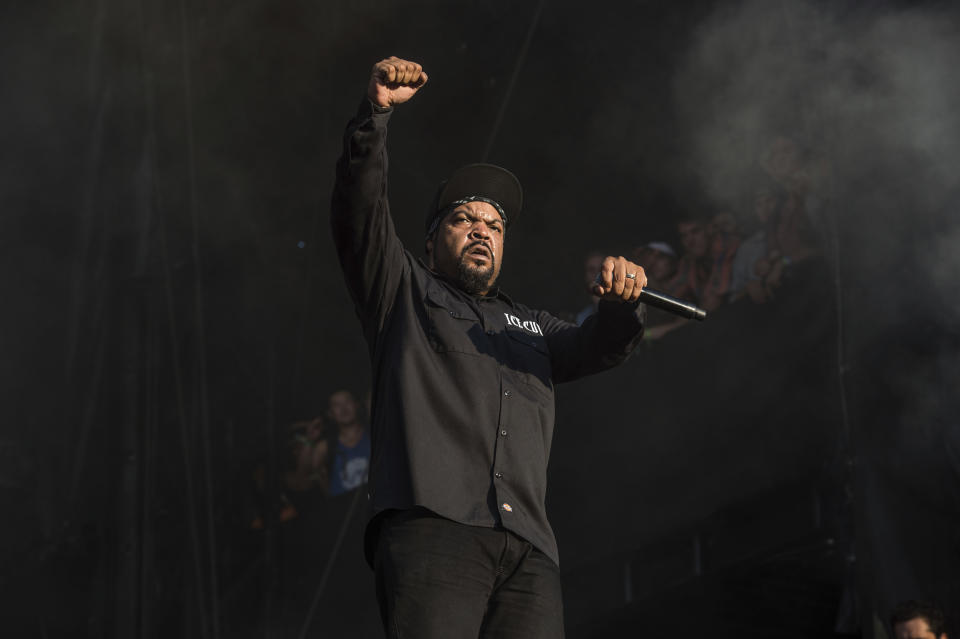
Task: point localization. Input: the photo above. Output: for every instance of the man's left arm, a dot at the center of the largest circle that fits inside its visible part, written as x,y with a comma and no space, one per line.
608,336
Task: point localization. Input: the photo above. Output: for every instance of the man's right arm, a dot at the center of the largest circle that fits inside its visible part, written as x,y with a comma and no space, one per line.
371,255
370,252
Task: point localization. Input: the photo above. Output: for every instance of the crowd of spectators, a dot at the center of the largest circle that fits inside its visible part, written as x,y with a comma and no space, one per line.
751,256
724,257
728,255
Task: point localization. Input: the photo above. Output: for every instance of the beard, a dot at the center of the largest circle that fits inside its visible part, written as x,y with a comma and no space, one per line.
474,279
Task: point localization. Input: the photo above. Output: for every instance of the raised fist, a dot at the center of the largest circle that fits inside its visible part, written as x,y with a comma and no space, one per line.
394,81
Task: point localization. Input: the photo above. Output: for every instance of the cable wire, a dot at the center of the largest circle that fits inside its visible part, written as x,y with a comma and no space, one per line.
331,560
521,57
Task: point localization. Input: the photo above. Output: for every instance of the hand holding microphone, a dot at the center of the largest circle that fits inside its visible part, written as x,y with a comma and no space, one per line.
621,280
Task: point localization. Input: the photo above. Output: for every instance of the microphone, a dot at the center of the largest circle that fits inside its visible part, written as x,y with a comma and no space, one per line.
672,304
668,303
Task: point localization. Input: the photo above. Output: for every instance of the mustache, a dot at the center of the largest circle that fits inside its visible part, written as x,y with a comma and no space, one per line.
473,245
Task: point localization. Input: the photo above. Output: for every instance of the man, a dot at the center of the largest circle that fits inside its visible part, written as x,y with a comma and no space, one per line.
917,620
707,261
463,376
309,451
663,275
744,279
351,452
661,267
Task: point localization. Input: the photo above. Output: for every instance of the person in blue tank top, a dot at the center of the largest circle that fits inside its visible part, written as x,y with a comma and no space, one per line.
351,455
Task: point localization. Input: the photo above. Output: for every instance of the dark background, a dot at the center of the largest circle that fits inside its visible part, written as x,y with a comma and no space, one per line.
171,300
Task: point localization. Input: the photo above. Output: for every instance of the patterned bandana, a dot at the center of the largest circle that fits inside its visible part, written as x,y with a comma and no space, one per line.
472,198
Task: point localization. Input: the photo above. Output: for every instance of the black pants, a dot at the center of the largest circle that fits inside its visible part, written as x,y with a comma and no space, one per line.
438,579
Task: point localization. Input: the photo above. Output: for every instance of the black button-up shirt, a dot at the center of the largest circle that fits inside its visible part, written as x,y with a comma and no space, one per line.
463,406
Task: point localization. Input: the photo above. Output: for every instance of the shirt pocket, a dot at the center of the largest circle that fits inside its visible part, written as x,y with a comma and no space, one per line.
530,359
451,325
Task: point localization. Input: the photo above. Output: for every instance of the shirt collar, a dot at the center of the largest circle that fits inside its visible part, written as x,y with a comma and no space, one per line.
494,293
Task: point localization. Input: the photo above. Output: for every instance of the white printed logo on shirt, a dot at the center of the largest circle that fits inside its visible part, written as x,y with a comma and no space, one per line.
529,325
354,473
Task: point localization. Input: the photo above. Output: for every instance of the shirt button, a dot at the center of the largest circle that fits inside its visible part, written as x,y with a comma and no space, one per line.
506,393
498,475
503,433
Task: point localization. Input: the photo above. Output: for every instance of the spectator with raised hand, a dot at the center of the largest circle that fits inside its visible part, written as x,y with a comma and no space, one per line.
745,279
724,242
309,450
792,231
693,267
707,262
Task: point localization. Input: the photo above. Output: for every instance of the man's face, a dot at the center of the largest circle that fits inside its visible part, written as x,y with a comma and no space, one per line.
662,267
917,628
343,408
468,246
693,236
723,223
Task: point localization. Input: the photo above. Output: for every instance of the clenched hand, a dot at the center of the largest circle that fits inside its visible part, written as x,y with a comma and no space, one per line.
619,280
394,81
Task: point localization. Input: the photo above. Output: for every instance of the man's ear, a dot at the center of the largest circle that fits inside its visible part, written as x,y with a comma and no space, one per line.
428,249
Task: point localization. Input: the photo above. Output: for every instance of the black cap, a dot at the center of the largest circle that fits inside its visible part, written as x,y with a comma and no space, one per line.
486,181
